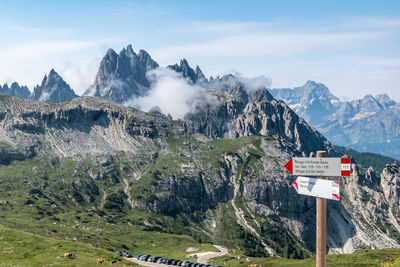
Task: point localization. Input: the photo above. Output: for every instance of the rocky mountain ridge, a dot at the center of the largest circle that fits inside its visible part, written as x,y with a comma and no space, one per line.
16,90
53,88
369,124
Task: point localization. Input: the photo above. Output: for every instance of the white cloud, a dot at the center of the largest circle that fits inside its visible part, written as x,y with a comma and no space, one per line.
170,92
77,61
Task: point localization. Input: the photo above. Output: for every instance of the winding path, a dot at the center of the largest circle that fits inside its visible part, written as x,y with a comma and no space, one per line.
201,257
205,256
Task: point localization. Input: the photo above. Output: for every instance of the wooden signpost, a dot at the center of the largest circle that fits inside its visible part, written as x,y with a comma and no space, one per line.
321,188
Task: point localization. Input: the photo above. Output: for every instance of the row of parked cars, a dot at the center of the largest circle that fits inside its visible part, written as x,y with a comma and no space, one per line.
167,261
124,254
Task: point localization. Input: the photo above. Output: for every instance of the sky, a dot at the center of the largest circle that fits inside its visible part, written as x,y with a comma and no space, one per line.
350,46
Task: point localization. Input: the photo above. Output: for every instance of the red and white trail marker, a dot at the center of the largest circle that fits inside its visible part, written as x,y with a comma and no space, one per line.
317,187
319,166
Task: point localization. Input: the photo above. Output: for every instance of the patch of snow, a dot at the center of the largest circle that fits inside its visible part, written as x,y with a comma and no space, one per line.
359,116
295,106
44,96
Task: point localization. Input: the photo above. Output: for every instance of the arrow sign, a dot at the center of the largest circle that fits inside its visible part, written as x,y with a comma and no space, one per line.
319,166
317,187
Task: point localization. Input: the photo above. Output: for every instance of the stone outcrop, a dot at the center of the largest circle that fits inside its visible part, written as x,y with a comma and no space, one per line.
390,182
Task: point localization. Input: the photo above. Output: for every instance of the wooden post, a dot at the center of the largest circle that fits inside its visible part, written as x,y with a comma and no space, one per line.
321,225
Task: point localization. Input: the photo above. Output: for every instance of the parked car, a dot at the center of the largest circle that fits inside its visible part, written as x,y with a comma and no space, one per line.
137,257
119,253
145,257
128,255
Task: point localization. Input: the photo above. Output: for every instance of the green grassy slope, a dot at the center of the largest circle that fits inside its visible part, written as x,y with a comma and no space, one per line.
370,258
19,248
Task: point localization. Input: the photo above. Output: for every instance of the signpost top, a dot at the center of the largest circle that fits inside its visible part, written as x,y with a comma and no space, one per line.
319,166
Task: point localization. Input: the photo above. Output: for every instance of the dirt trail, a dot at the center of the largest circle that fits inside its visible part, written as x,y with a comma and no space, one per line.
242,220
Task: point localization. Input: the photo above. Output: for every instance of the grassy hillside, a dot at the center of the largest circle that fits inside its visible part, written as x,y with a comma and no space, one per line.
370,258
19,248
83,204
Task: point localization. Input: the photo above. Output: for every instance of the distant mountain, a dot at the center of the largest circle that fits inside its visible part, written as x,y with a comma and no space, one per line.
53,88
122,76
187,72
16,90
370,124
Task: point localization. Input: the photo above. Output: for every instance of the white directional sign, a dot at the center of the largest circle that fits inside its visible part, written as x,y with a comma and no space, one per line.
317,187
319,166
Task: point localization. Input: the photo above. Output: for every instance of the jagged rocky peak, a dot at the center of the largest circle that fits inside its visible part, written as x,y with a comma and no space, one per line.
122,76
187,72
238,90
53,88
319,89
385,100
147,60
260,95
223,83
310,91
367,105
370,179
200,75
16,90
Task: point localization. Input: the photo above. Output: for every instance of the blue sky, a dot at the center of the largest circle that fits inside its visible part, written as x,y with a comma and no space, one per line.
351,46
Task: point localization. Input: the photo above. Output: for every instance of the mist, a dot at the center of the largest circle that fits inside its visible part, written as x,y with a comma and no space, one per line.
170,92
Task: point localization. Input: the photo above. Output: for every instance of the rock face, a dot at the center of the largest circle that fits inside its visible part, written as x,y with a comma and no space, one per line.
122,76
187,72
53,88
239,114
16,90
370,124
77,127
390,182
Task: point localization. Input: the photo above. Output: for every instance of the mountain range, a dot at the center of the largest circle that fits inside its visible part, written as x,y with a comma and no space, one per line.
368,124
96,156
53,88
216,175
